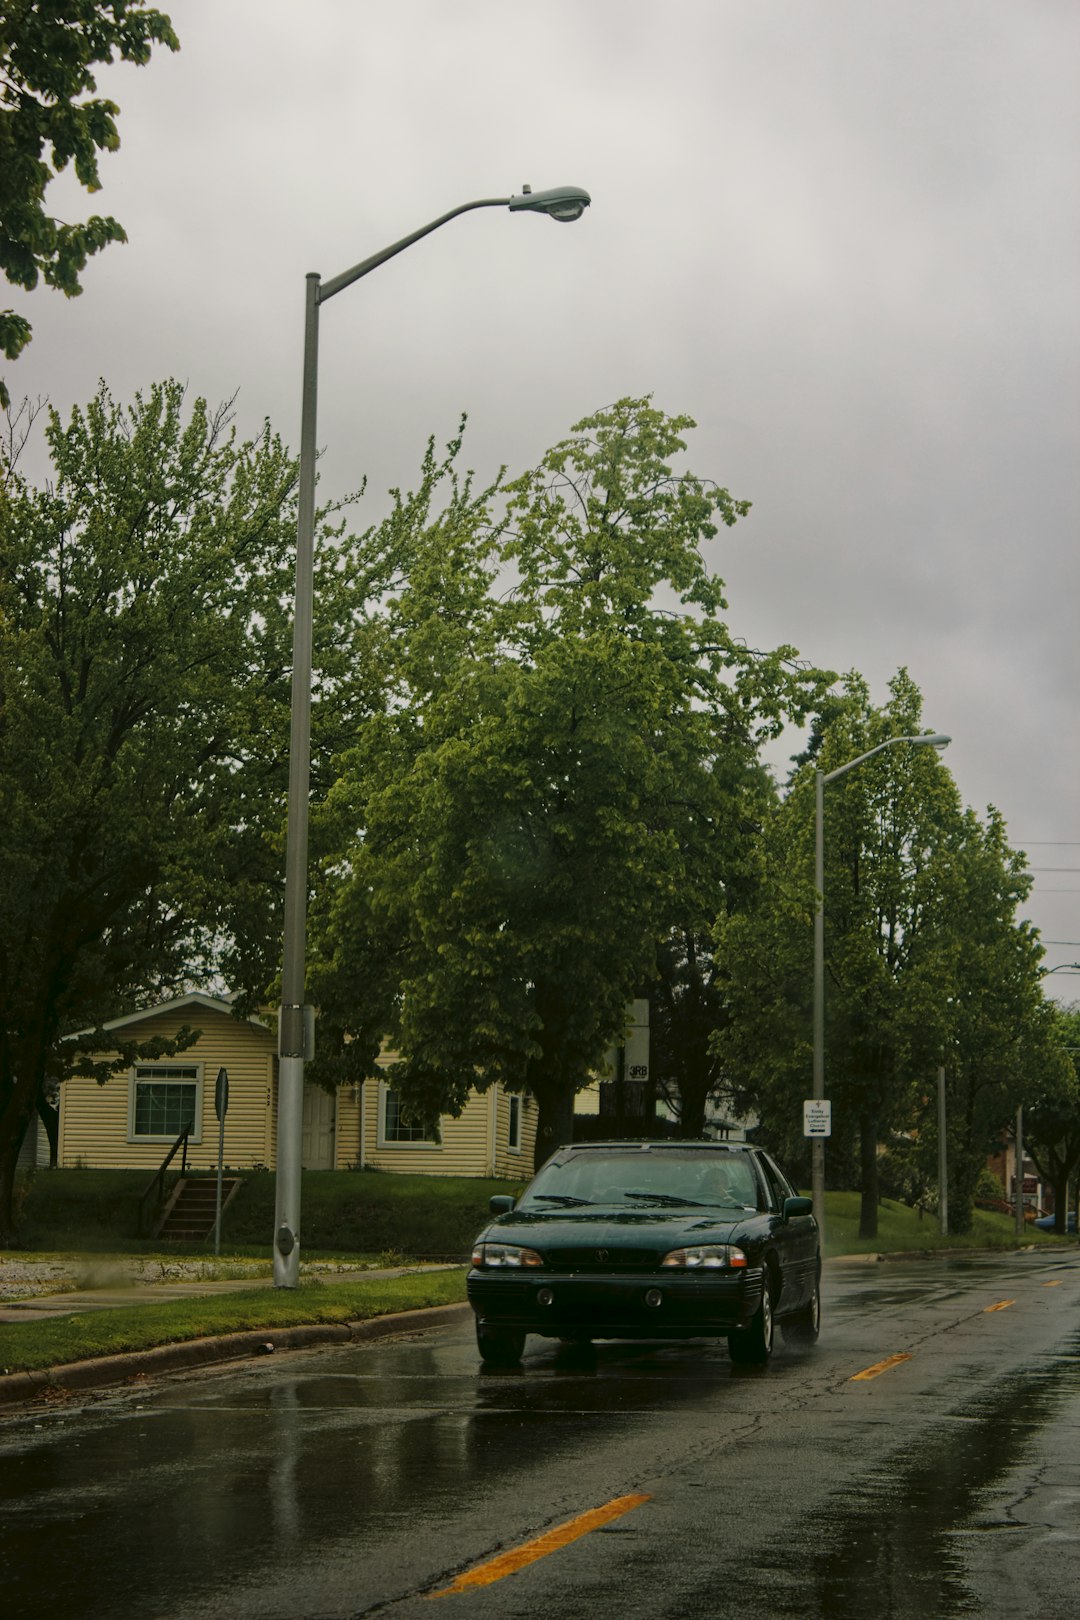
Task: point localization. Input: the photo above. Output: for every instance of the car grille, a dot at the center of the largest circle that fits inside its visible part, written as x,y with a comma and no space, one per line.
602,1260
498,1288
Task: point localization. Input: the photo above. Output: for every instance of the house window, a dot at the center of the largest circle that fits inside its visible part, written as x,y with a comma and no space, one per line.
515,1122
165,1098
396,1126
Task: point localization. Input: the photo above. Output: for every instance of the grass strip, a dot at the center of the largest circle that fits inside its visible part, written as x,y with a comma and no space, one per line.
33,1345
900,1230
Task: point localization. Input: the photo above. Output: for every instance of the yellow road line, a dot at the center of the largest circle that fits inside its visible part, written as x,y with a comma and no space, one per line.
1002,1305
509,1563
1056,1284
879,1367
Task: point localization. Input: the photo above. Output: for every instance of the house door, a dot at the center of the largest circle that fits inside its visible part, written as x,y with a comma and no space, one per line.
317,1145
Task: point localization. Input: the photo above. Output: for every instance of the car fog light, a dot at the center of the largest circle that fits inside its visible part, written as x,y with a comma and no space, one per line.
544,1296
654,1298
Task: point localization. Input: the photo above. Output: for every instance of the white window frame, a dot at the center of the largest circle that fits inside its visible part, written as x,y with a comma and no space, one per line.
392,1143
146,1072
514,1138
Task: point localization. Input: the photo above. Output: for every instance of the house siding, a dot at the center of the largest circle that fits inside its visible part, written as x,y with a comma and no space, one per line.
476,1143
463,1150
510,1165
94,1119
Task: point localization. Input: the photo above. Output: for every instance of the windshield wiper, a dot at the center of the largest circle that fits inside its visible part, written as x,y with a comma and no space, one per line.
558,1198
665,1198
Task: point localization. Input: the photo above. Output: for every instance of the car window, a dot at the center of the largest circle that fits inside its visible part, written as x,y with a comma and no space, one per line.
787,1189
777,1185
635,1178
725,1179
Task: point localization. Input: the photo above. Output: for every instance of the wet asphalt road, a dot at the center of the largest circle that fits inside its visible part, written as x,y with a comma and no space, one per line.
357,1481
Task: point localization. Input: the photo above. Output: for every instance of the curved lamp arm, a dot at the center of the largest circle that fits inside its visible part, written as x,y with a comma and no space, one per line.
937,741
563,203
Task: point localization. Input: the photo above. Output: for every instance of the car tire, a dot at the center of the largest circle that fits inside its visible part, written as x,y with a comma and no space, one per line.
804,1325
752,1346
499,1347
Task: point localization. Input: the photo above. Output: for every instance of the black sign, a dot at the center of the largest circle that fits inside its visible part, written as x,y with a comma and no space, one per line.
221,1094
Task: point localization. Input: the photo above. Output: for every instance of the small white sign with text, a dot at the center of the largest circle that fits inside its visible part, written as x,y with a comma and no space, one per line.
817,1117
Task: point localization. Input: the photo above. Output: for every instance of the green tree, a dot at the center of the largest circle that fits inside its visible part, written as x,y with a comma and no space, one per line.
883,822
145,652
927,961
975,970
49,117
532,800
1052,1116
688,1003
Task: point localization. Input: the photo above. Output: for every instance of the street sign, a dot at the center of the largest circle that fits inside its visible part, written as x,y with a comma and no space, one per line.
221,1094
817,1117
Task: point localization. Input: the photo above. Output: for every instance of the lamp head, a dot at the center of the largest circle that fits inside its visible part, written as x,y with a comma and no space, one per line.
563,203
938,741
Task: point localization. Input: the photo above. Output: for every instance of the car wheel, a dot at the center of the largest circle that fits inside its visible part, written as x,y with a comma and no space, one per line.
752,1346
499,1347
803,1326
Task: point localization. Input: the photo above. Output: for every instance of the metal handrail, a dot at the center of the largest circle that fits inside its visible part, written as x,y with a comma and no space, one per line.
159,1179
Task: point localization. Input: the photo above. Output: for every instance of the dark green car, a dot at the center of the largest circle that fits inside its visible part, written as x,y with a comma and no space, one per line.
649,1240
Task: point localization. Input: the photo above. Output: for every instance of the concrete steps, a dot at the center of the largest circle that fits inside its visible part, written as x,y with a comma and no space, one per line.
190,1213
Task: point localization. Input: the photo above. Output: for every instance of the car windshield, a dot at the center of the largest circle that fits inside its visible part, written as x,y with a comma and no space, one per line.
640,1179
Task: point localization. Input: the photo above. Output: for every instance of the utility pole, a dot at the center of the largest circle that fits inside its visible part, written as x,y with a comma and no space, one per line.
942,1155
1019,1172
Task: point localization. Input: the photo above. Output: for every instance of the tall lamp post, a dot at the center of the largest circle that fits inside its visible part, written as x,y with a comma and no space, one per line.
296,1020
821,779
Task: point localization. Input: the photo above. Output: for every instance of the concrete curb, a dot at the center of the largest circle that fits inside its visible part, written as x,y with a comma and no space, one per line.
21,1387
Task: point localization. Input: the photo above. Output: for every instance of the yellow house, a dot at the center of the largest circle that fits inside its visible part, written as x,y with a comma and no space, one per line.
135,1117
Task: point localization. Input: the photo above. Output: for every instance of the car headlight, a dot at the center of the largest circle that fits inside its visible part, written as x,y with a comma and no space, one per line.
710,1257
504,1254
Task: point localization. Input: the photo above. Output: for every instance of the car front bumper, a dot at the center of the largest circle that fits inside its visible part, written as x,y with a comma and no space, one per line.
561,1305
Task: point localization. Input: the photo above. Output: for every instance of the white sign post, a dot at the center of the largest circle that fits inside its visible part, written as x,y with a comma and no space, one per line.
817,1117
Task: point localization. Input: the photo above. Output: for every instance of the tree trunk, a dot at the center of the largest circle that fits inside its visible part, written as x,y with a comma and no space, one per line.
50,1119
868,1208
692,1112
555,1121
13,1127
1061,1204
21,1094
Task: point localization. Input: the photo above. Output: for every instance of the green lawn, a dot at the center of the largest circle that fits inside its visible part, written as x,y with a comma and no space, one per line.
32,1345
900,1230
343,1213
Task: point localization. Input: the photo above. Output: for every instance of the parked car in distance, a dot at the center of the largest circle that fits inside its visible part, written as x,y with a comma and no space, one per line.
1045,1223
649,1240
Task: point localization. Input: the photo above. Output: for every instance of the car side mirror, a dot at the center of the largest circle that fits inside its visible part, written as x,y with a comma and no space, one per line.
794,1207
500,1204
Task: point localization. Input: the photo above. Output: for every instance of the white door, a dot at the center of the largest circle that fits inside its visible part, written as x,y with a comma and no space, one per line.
317,1146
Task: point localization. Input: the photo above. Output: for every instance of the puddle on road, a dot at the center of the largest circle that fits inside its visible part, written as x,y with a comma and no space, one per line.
888,1548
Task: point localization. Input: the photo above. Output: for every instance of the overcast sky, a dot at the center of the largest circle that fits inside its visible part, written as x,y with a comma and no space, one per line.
843,235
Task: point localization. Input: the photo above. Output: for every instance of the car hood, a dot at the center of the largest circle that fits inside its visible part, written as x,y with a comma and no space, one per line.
610,1228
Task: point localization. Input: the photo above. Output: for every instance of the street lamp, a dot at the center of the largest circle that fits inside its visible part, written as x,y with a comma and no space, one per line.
296,1020
821,778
